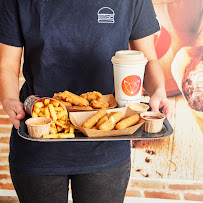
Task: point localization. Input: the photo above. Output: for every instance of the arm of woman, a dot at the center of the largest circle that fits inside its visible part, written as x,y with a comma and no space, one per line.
10,60
154,82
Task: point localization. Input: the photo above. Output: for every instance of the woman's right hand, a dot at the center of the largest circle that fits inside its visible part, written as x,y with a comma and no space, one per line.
15,110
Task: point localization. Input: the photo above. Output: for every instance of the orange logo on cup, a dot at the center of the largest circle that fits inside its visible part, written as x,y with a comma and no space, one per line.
131,85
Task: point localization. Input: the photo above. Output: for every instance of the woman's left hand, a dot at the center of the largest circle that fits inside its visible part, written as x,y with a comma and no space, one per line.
159,101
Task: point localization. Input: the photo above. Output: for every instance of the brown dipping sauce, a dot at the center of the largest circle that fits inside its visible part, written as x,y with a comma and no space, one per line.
38,123
151,117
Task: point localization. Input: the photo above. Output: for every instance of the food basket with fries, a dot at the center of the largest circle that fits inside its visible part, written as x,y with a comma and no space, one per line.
54,110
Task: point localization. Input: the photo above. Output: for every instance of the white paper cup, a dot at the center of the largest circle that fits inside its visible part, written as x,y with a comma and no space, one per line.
129,68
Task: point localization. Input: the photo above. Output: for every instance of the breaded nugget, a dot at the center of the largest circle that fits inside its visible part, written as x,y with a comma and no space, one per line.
94,119
99,104
103,119
90,96
107,125
116,117
127,122
82,107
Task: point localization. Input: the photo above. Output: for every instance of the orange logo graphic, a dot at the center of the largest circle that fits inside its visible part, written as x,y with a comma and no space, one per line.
131,85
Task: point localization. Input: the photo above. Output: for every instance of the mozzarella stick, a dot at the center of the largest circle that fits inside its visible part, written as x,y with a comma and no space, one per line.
116,117
91,122
107,125
103,119
111,122
127,122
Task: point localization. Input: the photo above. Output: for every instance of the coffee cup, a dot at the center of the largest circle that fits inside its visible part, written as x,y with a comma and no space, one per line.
129,68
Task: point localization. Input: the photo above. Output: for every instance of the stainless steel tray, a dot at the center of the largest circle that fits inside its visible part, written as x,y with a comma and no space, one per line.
140,134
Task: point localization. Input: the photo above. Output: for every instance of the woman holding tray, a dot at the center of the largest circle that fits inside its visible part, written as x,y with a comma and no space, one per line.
69,45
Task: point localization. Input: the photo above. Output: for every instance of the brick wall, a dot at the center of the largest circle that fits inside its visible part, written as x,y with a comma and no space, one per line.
149,188
166,189
5,130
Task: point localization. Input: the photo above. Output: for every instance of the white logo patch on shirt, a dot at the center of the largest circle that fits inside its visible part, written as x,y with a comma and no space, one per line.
106,15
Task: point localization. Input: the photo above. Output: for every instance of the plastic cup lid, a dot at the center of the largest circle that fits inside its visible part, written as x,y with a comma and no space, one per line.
129,57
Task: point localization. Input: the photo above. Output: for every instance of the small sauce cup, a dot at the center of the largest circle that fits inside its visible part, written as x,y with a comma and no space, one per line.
153,121
38,126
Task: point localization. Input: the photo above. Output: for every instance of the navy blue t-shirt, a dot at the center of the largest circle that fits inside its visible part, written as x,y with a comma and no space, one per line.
68,45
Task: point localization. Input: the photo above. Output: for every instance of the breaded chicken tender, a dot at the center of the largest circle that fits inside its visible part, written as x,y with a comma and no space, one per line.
66,104
90,96
72,98
82,107
99,104
127,122
91,122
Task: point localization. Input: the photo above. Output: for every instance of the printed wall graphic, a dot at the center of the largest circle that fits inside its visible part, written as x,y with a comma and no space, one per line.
187,69
106,15
181,25
179,47
162,42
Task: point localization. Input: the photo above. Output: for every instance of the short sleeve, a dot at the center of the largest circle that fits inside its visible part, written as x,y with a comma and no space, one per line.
10,29
145,20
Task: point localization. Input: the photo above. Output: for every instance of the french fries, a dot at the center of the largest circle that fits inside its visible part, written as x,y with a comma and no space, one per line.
67,134
60,126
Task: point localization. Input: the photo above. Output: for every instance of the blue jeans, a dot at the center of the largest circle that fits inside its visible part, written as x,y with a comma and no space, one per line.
108,186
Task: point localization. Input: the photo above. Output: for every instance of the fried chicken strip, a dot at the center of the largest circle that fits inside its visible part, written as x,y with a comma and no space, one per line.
72,98
90,96
99,104
82,107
